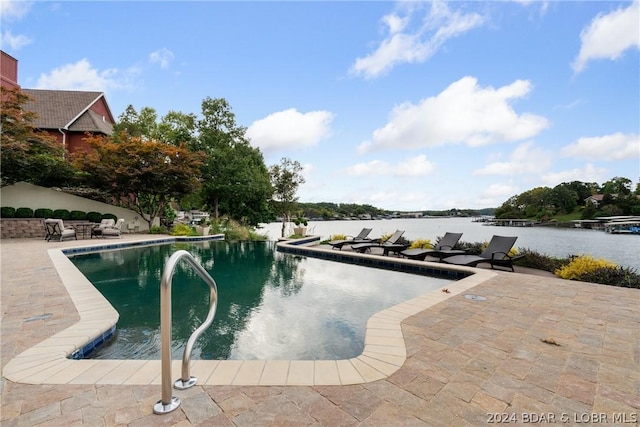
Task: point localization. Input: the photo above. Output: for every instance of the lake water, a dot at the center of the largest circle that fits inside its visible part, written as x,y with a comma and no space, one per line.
621,249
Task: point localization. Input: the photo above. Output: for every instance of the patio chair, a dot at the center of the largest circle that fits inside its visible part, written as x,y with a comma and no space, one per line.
360,238
443,249
496,253
389,245
97,230
115,230
55,228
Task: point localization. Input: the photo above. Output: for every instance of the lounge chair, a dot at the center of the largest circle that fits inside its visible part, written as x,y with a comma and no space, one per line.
360,238
115,230
389,245
443,249
496,253
97,230
55,228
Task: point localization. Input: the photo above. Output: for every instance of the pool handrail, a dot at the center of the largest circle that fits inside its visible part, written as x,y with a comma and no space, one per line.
169,403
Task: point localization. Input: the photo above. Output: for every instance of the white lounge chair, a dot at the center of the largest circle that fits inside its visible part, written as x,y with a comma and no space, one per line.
113,231
97,231
55,228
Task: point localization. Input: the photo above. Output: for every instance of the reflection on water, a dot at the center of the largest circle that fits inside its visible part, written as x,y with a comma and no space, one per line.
553,241
271,305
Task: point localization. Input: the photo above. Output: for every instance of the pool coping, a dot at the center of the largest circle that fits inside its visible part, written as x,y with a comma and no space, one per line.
384,352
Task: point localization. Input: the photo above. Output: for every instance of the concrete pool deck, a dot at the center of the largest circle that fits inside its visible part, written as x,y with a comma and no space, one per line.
537,345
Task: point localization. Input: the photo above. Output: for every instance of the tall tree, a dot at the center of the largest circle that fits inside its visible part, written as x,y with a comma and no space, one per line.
286,178
143,175
26,154
235,179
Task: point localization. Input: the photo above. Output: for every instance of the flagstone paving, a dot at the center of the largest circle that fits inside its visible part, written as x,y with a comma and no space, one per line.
538,349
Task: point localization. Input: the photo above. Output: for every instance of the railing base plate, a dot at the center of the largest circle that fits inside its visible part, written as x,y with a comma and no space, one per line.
160,408
183,385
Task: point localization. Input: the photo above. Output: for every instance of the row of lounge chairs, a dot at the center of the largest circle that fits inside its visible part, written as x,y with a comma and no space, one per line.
496,253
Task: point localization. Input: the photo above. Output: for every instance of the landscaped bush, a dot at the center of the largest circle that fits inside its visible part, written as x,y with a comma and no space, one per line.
338,237
24,213
158,229
472,248
78,215
614,276
42,213
94,216
534,259
421,244
183,230
60,214
582,265
7,212
110,216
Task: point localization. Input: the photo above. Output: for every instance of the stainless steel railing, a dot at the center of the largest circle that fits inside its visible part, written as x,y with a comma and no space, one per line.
168,402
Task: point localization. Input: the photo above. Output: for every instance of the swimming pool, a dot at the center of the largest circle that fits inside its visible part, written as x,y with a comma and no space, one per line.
271,305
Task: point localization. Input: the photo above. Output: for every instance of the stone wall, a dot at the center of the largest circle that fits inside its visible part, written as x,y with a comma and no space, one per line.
28,228
14,228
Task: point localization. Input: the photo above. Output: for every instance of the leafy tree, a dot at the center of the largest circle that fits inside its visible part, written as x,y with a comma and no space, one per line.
28,155
141,125
236,179
144,175
285,178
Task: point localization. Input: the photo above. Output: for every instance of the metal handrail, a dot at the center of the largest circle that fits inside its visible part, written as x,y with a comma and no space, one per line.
168,402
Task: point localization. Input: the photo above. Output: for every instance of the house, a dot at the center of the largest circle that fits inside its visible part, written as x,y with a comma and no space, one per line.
595,200
66,115
70,115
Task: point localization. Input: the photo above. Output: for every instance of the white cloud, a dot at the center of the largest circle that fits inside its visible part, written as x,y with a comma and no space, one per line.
588,173
413,166
608,36
617,146
14,10
162,56
417,45
499,191
14,42
79,76
462,113
290,129
524,159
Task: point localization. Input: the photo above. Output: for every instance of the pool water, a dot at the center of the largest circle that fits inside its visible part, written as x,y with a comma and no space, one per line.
271,305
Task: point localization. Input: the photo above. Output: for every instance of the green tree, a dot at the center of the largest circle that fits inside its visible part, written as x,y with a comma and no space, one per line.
285,178
26,154
236,179
144,175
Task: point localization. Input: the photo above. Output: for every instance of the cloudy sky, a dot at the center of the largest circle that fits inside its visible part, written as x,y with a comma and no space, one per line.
405,106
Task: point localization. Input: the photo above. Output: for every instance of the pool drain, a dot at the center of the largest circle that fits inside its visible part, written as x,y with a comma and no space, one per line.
475,297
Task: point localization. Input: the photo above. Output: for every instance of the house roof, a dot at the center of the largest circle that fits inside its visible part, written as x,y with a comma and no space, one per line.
63,109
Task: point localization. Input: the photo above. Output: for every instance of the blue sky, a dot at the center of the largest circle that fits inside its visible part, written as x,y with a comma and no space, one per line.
404,106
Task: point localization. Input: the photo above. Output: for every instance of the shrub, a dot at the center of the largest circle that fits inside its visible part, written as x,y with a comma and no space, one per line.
581,265
614,276
183,230
42,213
110,216
77,215
7,212
158,229
24,213
94,216
60,214
338,237
421,244
533,259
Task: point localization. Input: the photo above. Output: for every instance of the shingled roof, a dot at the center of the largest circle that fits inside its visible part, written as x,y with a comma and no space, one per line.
70,110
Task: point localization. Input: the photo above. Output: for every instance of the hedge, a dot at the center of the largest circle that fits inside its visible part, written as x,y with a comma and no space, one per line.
7,212
24,213
42,213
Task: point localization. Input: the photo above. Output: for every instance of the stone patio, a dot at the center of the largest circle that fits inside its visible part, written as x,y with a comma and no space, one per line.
537,349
